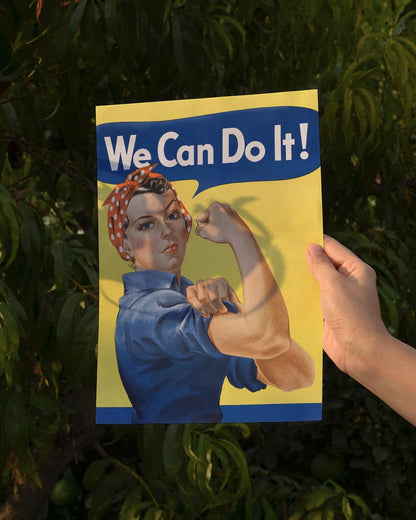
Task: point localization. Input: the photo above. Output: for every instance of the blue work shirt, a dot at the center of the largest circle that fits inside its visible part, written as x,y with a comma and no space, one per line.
170,369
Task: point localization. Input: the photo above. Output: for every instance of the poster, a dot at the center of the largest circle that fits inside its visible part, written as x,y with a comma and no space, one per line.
208,312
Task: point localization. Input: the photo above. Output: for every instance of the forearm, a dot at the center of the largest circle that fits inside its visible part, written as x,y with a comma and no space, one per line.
387,367
261,327
263,309
289,371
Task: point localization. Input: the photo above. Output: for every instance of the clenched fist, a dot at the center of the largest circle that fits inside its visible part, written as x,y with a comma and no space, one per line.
220,223
208,296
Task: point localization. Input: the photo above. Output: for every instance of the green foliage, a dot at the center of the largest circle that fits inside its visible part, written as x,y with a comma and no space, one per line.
188,470
329,502
54,69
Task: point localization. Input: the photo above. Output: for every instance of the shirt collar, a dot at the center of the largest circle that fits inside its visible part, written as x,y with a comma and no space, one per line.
142,280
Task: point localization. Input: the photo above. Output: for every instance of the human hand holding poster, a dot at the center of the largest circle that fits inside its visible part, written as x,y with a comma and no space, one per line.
222,323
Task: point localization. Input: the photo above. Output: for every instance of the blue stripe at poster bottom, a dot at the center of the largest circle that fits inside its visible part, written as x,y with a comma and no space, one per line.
272,412
233,413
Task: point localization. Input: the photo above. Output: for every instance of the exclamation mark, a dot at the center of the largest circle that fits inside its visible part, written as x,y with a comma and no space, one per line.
304,139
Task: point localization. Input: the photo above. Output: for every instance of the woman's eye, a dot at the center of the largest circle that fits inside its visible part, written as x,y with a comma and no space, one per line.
144,226
174,215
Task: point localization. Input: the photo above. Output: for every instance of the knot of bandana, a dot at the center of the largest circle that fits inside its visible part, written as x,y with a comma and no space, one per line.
119,199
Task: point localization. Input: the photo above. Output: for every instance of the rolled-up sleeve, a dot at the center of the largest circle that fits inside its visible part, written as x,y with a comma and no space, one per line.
160,324
163,322
242,373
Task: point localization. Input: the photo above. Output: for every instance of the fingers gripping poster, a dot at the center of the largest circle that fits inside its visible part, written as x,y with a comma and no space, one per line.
208,312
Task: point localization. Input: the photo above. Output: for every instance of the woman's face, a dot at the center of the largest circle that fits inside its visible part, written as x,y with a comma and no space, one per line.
156,234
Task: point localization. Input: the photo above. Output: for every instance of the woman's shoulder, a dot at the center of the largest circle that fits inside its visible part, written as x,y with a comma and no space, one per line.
147,289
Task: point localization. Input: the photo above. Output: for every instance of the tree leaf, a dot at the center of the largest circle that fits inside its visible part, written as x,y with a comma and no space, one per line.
172,456
222,33
8,210
316,498
224,472
18,424
239,459
150,442
204,465
178,44
62,264
346,114
10,328
133,505
329,513
187,440
314,515
346,508
30,236
67,321
359,502
269,513
76,17
95,473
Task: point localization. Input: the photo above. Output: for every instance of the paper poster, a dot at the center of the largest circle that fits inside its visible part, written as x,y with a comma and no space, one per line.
208,312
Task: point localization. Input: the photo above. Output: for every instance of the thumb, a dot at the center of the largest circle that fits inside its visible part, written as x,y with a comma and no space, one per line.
203,218
233,298
319,263
202,221
201,232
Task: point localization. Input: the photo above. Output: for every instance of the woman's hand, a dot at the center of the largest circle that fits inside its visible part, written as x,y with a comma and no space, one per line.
355,337
208,296
220,223
349,303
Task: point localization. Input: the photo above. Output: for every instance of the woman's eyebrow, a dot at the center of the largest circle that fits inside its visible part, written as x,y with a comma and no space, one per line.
171,202
150,216
142,216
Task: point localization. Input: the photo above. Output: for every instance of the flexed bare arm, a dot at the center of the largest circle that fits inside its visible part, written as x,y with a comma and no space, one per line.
262,326
260,330
262,319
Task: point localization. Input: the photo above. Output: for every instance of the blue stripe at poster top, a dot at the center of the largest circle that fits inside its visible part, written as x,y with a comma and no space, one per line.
260,144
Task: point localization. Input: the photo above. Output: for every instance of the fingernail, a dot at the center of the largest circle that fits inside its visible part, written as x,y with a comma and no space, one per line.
314,249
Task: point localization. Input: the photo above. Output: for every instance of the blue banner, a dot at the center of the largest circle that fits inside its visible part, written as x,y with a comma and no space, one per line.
273,143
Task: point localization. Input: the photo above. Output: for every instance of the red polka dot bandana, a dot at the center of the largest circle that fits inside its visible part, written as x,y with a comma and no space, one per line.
119,199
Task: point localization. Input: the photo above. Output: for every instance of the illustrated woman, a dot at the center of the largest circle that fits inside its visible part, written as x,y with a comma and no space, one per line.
177,341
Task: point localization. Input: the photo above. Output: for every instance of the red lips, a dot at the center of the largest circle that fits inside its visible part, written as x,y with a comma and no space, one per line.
171,248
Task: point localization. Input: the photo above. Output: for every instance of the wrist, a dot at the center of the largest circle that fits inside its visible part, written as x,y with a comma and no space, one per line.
368,355
240,234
